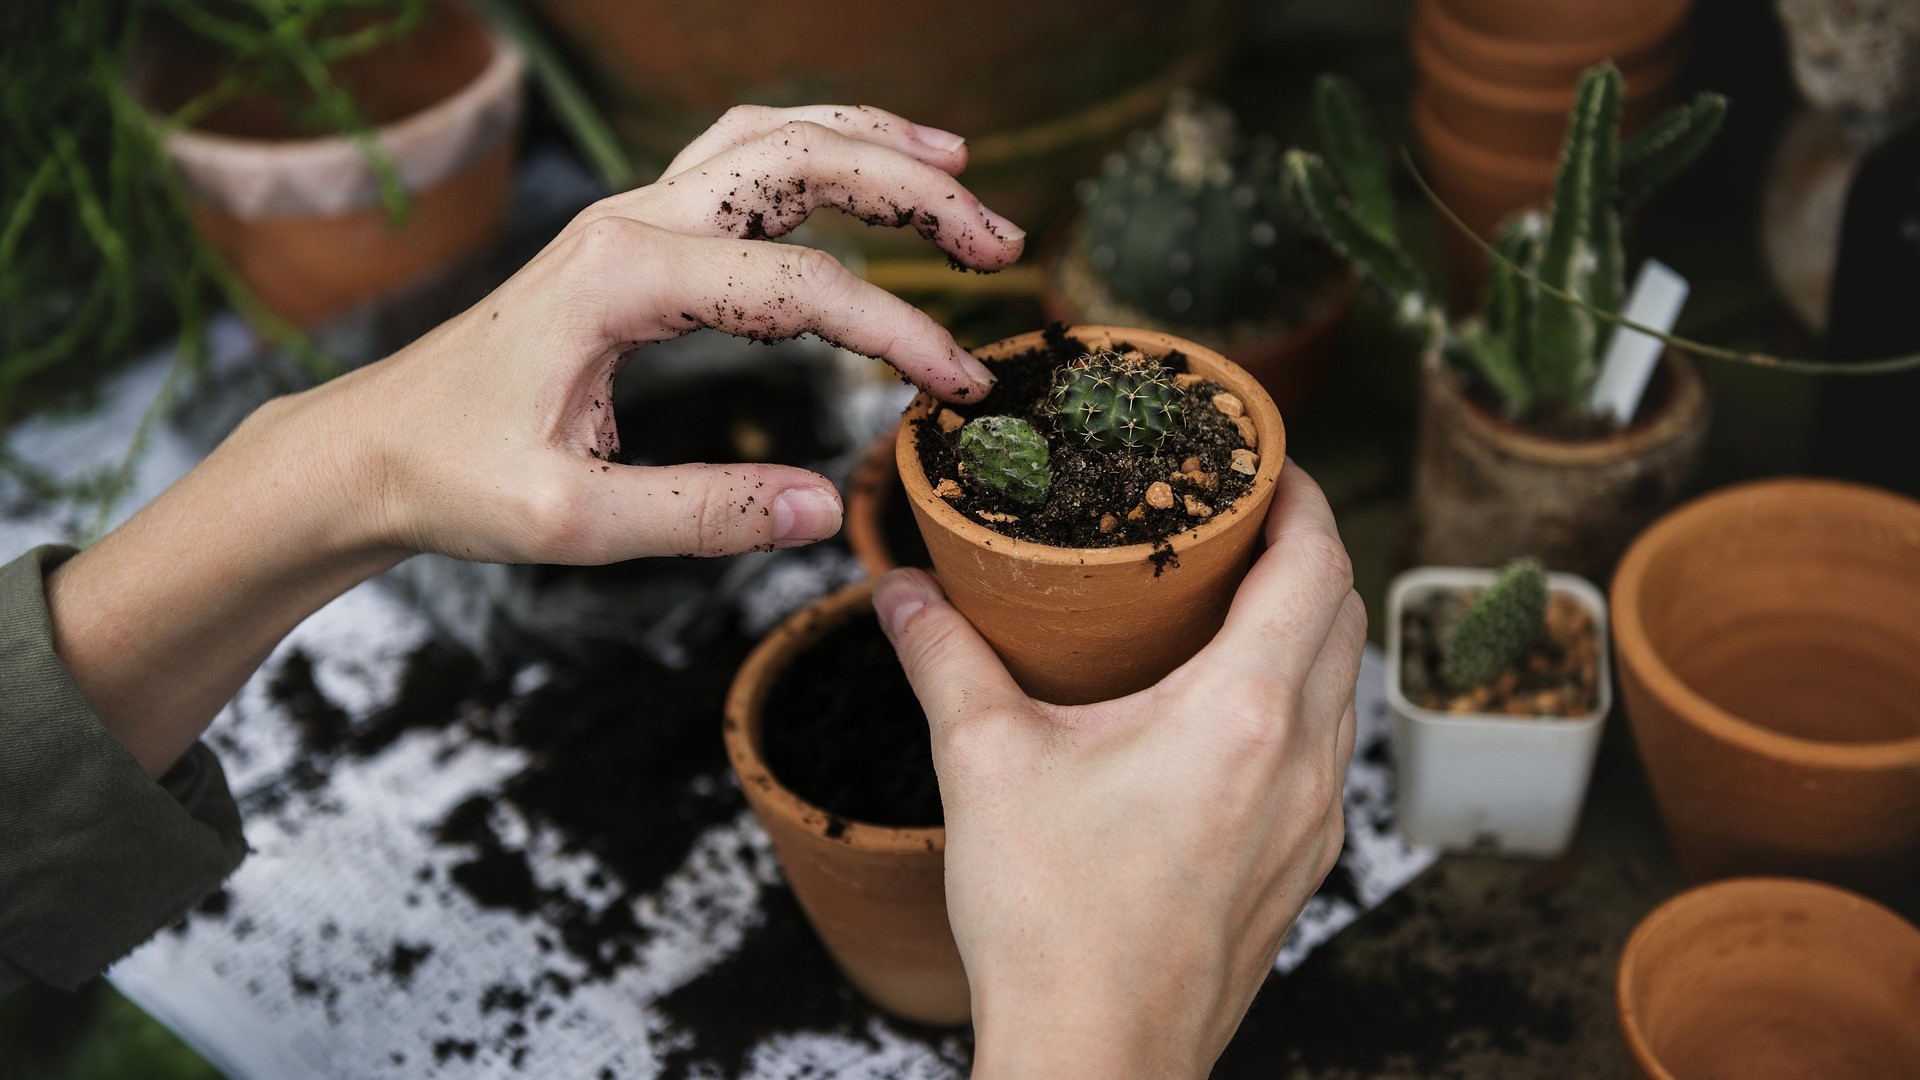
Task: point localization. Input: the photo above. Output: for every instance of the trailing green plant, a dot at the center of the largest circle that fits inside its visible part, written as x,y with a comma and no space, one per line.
1537,344
1498,629
1190,224
1006,456
1116,401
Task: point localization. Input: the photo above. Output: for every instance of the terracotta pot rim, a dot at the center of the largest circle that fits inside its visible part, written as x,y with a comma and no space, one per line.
1807,891
1637,652
1267,424
1622,48
1432,62
748,693
1685,402
1443,140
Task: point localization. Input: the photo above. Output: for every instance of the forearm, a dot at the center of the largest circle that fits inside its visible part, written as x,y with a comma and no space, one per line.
164,619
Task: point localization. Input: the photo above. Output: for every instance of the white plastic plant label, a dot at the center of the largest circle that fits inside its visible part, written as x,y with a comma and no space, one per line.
1657,297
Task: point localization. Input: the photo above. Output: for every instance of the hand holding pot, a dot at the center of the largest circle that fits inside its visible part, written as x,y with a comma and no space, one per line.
1120,876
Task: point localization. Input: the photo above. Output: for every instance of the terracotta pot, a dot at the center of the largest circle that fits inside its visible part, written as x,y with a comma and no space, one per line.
1037,114
876,511
877,896
1486,491
1567,21
1087,624
1480,186
1529,121
1771,979
1290,364
1545,65
300,218
1768,637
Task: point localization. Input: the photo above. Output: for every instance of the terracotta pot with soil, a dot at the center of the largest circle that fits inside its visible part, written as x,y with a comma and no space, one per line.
299,215
1126,564
1498,684
1768,637
1486,490
1769,979
832,750
880,528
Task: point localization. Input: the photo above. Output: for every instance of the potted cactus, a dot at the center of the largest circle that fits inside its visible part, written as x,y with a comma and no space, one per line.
1093,515
1512,458
1188,230
1498,685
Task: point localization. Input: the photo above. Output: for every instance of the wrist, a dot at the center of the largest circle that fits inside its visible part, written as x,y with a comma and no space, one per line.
1081,1032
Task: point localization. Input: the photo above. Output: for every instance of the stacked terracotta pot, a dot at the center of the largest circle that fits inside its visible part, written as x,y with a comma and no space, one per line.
1496,81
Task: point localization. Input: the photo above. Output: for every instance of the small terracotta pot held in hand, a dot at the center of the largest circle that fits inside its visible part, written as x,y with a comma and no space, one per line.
1771,979
1077,625
1768,638
876,895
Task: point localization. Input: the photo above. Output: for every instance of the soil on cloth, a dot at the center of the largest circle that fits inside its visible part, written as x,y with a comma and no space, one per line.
1557,677
843,731
1099,498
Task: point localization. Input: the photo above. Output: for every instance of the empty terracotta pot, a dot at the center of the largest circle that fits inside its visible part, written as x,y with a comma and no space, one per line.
878,526
1087,624
300,218
1486,491
1771,979
1481,187
1549,65
1768,638
1566,21
877,896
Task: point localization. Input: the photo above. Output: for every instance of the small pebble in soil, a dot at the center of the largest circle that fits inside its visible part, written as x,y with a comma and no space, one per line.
1160,495
1246,462
949,421
1108,523
1196,508
948,488
1229,405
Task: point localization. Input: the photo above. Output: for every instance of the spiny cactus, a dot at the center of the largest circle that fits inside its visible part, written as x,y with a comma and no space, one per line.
1189,223
1498,629
1116,401
1008,457
1536,352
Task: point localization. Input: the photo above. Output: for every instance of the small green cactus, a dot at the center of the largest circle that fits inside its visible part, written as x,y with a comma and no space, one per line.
1008,457
1498,629
1189,224
1116,401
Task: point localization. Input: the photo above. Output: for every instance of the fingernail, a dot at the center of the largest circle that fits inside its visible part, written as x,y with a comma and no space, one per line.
897,596
805,514
1001,227
938,139
975,370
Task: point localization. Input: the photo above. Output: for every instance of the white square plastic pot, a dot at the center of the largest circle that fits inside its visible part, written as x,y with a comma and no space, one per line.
1479,782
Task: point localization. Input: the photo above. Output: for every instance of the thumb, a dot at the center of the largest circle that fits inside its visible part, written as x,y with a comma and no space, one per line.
630,511
954,672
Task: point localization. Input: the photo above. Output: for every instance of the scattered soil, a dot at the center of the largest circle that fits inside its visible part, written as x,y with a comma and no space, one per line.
844,732
1558,677
1089,485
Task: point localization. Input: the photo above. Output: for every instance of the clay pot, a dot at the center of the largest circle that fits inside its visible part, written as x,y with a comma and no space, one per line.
877,896
299,218
1771,979
1291,364
874,498
1768,637
1546,65
1480,186
1486,491
1077,625
1564,22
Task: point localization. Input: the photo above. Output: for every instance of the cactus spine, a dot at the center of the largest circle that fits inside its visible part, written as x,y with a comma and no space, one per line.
1536,352
1116,401
1008,457
1499,628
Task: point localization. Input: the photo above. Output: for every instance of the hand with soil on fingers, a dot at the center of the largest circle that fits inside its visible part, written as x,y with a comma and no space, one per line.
492,438
1120,876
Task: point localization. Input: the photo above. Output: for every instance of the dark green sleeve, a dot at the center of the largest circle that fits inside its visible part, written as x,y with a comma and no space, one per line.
94,855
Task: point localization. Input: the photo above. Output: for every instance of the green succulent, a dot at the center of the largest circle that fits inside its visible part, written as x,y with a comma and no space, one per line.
1499,628
1116,401
1007,457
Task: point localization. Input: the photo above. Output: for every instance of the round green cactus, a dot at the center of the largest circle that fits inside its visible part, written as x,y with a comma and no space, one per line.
1499,628
1116,401
1189,224
1008,457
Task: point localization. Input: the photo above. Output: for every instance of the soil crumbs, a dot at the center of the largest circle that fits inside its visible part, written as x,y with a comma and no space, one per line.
1557,677
1092,485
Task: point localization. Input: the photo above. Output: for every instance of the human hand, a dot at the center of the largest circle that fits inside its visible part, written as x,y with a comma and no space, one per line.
1120,876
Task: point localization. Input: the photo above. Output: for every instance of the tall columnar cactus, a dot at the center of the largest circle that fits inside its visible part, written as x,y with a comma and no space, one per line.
1498,629
1006,456
1190,223
1537,352
1116,401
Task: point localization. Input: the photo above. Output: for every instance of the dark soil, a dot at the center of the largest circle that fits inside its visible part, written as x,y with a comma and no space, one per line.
1091,484
1557,677
844,732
